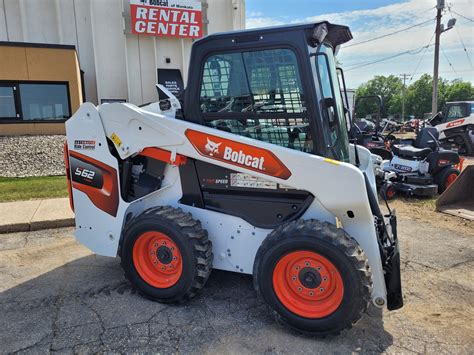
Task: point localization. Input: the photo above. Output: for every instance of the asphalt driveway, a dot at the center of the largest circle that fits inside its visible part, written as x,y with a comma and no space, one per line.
56,296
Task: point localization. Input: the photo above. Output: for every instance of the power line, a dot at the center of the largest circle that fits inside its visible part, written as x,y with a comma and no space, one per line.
467,18
462,42
416,51
447,59
388,34
421,58
449,71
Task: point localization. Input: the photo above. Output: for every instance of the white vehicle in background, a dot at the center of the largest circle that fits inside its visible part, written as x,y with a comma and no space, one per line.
455,125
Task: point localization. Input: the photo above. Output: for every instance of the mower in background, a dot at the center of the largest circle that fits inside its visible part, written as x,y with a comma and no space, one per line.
421,168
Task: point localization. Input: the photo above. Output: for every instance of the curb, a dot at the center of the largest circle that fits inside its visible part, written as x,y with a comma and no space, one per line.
38,225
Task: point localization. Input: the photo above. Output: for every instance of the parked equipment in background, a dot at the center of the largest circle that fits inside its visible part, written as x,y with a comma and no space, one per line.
370,133
422,167
257,176
455,125
458,199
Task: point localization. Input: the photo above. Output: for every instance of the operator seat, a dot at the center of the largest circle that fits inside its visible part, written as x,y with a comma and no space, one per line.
420,148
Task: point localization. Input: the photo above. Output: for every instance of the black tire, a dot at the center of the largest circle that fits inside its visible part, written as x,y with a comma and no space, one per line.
442,178
192,242
388,191
468,145
333,244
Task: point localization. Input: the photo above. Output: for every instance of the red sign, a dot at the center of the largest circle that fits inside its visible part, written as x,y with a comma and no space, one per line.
166,18
239,154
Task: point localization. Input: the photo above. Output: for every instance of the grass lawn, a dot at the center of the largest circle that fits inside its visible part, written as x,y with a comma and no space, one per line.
15,189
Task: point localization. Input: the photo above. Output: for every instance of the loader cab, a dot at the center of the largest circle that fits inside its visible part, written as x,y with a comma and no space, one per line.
277,85
453,111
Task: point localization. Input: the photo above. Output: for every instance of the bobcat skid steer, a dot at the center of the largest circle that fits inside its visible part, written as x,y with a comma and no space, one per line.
455,125
252,173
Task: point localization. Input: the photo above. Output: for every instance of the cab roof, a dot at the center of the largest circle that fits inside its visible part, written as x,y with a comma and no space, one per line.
337,34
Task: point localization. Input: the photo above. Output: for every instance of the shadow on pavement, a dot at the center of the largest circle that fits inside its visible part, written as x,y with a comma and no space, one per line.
87,305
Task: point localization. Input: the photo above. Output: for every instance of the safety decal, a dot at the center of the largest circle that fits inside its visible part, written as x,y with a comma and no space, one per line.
116,140
238,154
250,181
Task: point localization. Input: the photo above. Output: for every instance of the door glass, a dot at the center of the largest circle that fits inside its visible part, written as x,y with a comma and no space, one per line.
291,133
257,94
224,87
274,81
332,104
7,102
44,101
454,113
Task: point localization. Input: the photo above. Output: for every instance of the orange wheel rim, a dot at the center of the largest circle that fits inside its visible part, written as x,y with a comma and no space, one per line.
308,284
157,259
450,179
390,193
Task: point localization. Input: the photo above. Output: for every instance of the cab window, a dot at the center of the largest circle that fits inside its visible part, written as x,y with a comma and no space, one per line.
257,94
457,111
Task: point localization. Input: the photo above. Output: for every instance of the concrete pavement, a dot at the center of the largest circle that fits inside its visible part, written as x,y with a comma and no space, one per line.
20,216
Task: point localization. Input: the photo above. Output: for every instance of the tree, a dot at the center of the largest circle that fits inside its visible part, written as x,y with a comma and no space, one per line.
459,91
385,86
418,95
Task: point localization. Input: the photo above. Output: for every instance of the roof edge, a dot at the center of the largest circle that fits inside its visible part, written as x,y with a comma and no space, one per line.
37,45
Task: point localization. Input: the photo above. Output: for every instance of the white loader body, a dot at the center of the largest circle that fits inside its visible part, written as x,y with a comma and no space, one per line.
339,189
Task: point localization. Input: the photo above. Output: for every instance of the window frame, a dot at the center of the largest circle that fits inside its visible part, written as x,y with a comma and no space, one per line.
17,94
16,100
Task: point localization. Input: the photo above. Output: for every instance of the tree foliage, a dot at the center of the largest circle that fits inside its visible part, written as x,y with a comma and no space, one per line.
417,95
385,86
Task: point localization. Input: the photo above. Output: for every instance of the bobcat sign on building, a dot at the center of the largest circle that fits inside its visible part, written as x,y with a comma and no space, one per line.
167,18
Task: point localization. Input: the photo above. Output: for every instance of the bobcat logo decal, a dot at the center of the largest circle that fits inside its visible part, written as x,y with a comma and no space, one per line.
237,153
212,147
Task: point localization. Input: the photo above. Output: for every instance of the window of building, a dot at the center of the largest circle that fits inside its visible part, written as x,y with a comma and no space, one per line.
242,92
31,101
44,101
7,102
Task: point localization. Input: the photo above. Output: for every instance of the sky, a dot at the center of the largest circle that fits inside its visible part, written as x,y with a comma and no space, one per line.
373,18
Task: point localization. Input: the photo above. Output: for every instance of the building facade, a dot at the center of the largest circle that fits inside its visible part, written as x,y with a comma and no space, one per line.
56,54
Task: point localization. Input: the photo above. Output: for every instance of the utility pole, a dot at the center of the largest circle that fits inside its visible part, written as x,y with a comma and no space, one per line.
434,103
404,76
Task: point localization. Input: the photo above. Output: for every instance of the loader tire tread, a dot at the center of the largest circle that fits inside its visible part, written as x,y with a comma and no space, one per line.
338,238
469,146
195,234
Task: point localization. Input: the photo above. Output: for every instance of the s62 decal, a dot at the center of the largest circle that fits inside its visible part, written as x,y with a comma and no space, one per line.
85,173
97,180
238,154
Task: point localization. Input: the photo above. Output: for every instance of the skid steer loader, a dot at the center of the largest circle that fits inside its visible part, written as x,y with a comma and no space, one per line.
252,173
455,125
